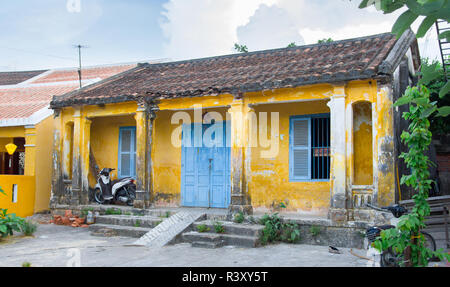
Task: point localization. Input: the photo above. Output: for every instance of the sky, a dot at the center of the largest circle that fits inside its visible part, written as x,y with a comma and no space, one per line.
42,34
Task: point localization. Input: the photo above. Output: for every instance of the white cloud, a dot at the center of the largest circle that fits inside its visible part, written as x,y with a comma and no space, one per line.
201,28
270,27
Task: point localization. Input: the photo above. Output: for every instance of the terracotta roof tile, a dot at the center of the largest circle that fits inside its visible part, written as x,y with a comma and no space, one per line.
14,78
22,101
289,67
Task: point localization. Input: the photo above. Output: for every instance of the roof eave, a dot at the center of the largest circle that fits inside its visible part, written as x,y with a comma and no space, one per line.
395,56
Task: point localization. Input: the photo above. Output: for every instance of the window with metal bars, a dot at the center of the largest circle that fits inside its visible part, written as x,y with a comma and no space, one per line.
309,147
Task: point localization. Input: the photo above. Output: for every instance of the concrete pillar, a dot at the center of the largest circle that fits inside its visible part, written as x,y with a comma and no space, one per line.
338,193
85,153
57,178
145,115
384,163
30,150
240,200
76,158
151,131
141,146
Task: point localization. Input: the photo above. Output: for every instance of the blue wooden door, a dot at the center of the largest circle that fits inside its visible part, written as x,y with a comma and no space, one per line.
205,168
127,152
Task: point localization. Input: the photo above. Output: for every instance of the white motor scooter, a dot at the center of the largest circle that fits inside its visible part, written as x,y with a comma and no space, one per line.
119,190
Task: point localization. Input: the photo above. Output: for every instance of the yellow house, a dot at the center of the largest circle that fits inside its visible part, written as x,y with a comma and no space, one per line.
27,122
310,127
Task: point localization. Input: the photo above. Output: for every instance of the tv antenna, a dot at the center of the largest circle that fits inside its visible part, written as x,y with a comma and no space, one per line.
79,47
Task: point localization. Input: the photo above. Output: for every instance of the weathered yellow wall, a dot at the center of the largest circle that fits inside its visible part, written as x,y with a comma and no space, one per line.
12,132
4,142
362,143
105,141
25,194
166,158
43,163
269,180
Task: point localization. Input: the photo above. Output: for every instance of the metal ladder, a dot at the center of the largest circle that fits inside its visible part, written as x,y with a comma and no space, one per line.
444,46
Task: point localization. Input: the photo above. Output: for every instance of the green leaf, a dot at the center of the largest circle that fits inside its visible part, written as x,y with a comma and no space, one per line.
428,112
425,26
364,4
445,90
404,22
429,73
425,8
443,111
403,101
3,229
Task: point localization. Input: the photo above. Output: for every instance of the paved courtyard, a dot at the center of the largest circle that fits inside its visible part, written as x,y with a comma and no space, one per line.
59,246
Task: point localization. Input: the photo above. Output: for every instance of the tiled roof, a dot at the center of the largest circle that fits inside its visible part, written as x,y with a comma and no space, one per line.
87,73
338,61
13,78
23,102
19,100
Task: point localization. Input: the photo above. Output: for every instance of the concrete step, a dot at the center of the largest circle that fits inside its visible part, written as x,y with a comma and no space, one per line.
195,236
129,220
225,239
210,245
108,230
252,230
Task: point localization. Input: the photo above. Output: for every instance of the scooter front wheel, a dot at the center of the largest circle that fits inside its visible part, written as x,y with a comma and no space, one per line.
98,196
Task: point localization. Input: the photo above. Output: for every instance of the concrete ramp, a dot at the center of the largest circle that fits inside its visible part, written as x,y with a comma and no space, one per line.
167,230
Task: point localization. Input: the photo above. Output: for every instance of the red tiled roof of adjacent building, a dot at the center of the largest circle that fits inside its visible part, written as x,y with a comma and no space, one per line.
87,73
23,102
361,58
20,100
14,78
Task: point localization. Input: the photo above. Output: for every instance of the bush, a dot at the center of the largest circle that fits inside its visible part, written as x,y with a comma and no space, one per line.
202,228
113,211
290,233
314,230
28,228
272,228
218,227
239,217
275,230
9,223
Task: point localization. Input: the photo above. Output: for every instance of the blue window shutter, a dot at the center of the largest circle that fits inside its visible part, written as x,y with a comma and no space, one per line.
127,152
300,148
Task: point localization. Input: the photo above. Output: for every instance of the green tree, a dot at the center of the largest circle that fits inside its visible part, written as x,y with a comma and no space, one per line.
240,48
325,40
291,45
432,11
407,236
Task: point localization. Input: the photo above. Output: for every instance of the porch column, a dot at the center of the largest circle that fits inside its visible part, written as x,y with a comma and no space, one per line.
338,194
85,153
30,150
151,117
384,165
76,158
145,115
141,146
57,179
240,200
